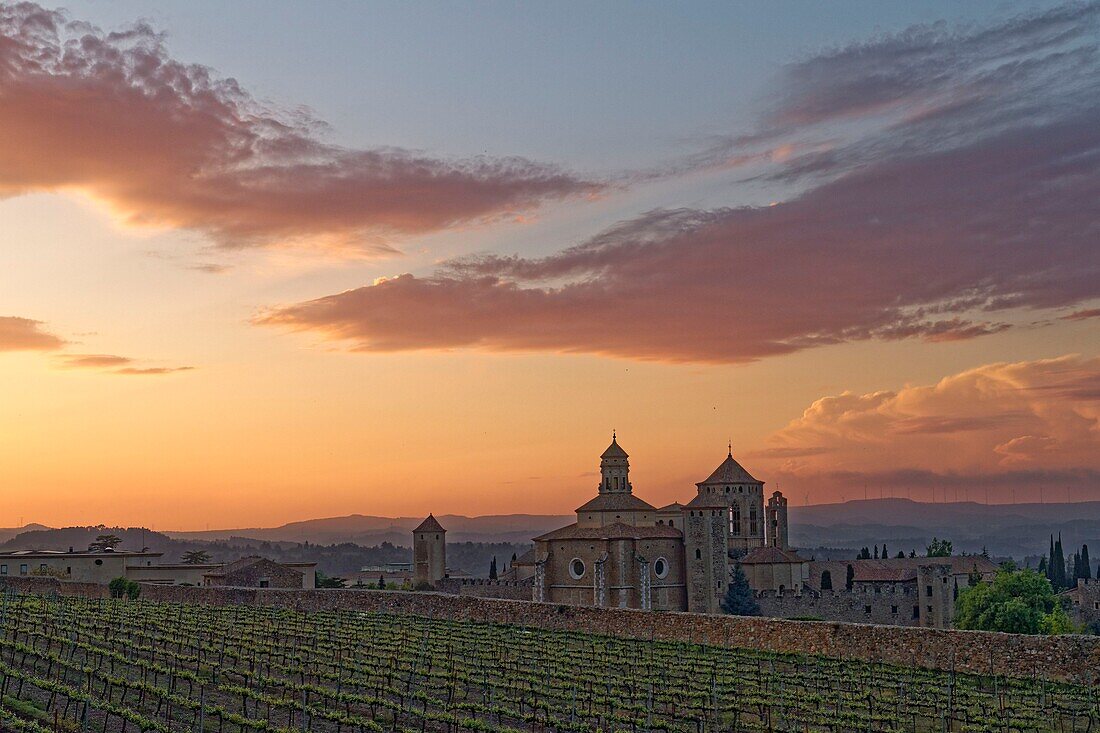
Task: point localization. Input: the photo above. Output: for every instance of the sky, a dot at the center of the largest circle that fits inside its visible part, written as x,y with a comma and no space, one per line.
273,261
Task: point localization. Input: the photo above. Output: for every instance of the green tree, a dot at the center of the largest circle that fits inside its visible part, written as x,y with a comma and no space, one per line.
493,568
381,582
849,578
1018,602
901,554
325,581
1058,565
864,554
826,580
105,542
196,557
1086,566
885,552
939,548
739,600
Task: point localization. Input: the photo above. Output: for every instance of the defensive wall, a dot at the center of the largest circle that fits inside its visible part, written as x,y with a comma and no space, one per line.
1071,658
516,590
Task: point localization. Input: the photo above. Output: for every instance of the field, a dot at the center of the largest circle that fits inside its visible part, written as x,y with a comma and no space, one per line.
73,664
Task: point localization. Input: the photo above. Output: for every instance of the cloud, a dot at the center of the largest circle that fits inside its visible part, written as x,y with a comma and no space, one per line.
151,371
112,364
93,361
1032,422
1082,315
169,144
24,334
924,225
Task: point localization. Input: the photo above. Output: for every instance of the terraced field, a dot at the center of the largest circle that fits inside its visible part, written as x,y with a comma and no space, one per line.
71,664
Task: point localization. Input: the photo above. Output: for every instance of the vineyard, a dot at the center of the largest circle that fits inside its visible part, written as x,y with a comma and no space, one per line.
70,664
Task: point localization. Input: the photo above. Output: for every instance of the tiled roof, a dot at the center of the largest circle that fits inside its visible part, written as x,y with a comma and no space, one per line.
430,525
705,501
621,502
673,507
527,558
614,531
614,450
766,555
902,569
730,472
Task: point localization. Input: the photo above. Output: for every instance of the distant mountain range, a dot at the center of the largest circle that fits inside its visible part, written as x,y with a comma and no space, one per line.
1016,530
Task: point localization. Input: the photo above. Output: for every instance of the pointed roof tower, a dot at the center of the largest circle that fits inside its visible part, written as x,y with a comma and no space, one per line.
730,472
614,450
431,524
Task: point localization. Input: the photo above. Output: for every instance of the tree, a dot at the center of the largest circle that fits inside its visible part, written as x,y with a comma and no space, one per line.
325,581
1017,601
1058,566
901,554
122,588
939,548
912,553
885,552
850,578
196,557
876,552
493,568
826,580
381,582
105,542
1042,569
864,554
1086,566
739,600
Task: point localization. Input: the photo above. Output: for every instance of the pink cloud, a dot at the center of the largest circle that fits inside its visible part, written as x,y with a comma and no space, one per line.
24,334
1026,422
169,144
926,227
112,364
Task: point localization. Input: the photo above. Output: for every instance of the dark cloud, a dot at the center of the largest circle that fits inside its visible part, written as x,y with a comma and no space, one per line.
926,237
24,334
171,144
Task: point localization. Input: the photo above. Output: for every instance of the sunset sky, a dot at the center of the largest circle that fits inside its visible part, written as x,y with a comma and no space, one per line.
262,262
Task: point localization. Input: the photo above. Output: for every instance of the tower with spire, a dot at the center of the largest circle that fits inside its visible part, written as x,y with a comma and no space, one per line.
429,552
615,469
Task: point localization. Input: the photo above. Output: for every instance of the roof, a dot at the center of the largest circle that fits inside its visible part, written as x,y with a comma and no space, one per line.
620,502
245,562
614,450
730,472
706,501
613,531
527,558
771,555
673,507
431,524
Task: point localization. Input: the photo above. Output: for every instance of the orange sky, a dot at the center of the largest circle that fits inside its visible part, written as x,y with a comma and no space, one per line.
211,316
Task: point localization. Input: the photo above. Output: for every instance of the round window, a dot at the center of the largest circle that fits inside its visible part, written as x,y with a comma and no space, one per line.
660,567
576,568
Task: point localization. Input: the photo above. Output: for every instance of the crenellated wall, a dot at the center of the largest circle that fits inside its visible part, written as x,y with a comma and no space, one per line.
1070,657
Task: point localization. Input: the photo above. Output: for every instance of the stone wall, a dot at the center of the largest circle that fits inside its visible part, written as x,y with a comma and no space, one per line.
1070,658
894,605
483,588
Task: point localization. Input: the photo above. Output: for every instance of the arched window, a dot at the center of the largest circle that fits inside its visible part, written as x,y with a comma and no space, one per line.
826,580
698,554
753,523
735,520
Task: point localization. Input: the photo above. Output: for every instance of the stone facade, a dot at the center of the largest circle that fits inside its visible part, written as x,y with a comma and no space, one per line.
1069,658
82,567
1085,602
256,572
429,552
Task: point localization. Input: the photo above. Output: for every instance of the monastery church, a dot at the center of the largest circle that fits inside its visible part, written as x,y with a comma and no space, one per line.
624,552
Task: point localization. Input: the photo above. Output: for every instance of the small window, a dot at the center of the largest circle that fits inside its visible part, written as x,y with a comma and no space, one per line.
916,611
929,609
894,610
23,569
98,561
265,583
576,568
3,569
42,567
670,523
867,610
698,554
660,567
928,591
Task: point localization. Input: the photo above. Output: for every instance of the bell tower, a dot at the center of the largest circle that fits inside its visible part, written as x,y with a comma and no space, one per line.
614,469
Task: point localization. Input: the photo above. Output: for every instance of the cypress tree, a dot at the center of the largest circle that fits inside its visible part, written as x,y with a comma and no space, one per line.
885,553
850,578
1058,565
739,600
1086,567
1050,565
1043,570
876,552
493,568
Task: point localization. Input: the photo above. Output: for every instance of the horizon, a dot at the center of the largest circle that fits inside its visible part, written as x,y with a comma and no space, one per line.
440,515
268,263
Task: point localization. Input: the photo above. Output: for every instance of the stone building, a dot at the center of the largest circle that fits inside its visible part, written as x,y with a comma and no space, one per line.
429,552
624,552
101,566
257,572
